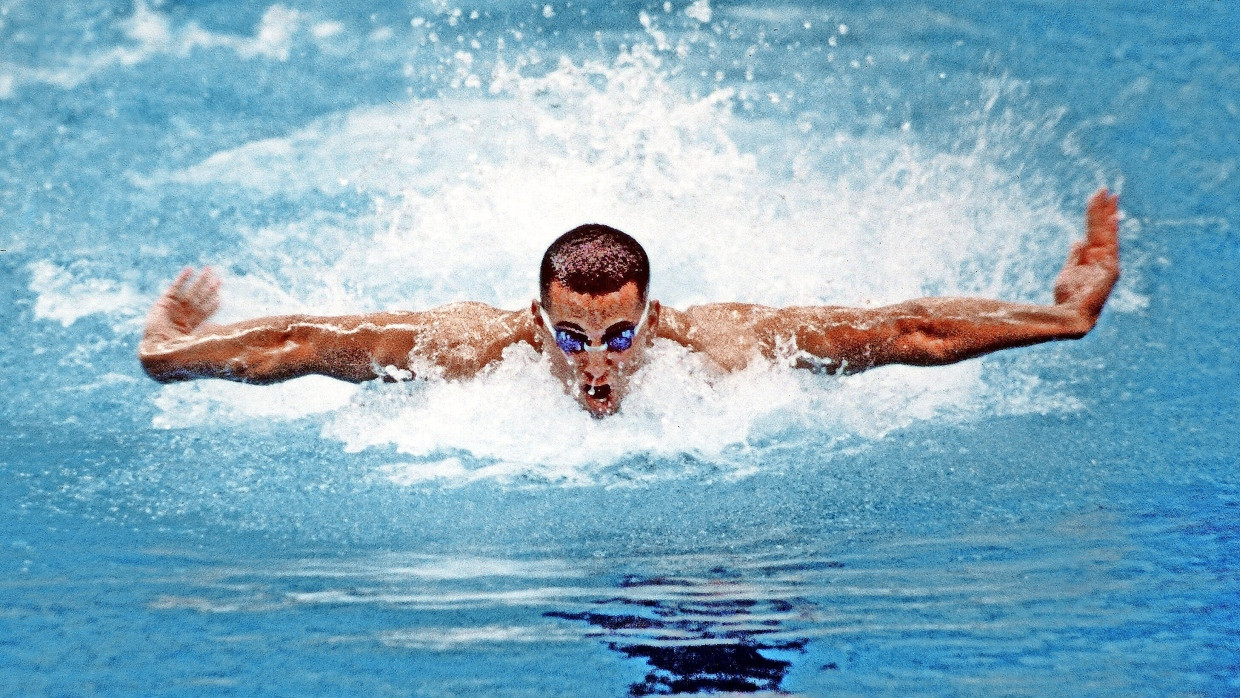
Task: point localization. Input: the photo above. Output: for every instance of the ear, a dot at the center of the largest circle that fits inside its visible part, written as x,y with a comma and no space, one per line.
652,321
538,322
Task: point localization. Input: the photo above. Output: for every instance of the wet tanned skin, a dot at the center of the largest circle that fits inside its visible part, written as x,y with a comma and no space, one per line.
459,340
597,380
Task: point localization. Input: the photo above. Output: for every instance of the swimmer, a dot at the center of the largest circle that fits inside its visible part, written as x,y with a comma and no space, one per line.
594,322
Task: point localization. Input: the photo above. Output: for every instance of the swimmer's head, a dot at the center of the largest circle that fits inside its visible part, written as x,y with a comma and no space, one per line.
593,316
594,259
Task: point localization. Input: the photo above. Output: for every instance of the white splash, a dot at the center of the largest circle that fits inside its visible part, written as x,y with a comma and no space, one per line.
214,402
66,294
453,639
518,426
699,10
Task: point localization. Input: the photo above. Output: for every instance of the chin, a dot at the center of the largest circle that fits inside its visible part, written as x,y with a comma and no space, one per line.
598,412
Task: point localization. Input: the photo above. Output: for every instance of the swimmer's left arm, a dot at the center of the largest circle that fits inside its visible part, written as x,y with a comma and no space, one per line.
937,331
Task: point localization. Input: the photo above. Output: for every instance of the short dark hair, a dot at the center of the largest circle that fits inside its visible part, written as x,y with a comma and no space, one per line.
594,259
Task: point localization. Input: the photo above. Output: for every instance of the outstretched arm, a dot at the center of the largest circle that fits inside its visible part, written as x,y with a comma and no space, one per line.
179,344
934,331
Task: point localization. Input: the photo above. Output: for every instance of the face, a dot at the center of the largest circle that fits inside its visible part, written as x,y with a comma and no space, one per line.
598,380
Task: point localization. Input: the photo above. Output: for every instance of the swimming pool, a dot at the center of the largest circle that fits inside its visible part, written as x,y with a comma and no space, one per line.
1058,519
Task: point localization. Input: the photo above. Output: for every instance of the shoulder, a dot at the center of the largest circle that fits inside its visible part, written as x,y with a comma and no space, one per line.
463,338
731,334
468,316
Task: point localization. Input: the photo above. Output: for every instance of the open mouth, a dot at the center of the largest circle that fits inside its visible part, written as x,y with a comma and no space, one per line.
599,393
599,400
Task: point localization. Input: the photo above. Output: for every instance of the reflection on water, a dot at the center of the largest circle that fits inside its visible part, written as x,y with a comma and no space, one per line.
699,635
976,610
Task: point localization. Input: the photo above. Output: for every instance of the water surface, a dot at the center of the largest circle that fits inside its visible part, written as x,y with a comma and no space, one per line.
1055,519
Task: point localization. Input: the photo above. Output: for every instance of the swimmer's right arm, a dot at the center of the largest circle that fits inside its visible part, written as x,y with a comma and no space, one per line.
178,344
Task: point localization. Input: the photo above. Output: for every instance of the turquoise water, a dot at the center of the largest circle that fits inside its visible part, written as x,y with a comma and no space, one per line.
1059,519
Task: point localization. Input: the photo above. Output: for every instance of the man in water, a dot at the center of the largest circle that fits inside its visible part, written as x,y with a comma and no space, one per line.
594,321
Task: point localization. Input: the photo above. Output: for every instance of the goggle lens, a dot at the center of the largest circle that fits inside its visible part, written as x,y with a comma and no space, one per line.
573,343
621,340
569,343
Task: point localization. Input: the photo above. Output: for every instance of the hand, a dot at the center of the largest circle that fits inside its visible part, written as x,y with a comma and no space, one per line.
1093,263
186,304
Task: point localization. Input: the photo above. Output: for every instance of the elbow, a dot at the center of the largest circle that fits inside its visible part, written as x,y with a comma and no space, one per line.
150,363
1077,332
1079,325
160,370
940,351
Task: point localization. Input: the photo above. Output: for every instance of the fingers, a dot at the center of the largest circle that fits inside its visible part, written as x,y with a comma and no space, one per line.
179,283
204,293
189,291
203,288
1099,250
1075,253
211,299
188,287
1102,219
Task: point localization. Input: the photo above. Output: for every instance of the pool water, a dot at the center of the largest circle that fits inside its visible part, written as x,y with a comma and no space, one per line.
1059,519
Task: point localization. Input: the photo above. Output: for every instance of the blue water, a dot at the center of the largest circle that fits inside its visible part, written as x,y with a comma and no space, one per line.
1054,520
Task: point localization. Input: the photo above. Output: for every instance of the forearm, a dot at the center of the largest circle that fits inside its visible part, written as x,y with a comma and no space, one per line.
935,331
927,331
266,350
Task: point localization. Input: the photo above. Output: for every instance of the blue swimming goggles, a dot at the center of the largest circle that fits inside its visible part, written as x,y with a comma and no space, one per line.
614,340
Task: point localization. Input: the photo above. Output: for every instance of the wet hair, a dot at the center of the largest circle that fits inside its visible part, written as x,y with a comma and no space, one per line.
594,259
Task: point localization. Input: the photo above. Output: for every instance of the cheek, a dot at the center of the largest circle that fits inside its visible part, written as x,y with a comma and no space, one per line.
561,367
632,359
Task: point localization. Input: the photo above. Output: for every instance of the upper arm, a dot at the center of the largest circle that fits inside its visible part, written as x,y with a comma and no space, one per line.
837,339
453,341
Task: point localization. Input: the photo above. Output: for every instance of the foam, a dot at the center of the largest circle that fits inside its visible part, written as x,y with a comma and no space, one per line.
107,380
774,13
699,10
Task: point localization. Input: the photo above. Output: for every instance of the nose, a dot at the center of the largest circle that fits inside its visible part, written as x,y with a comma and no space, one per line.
594,367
